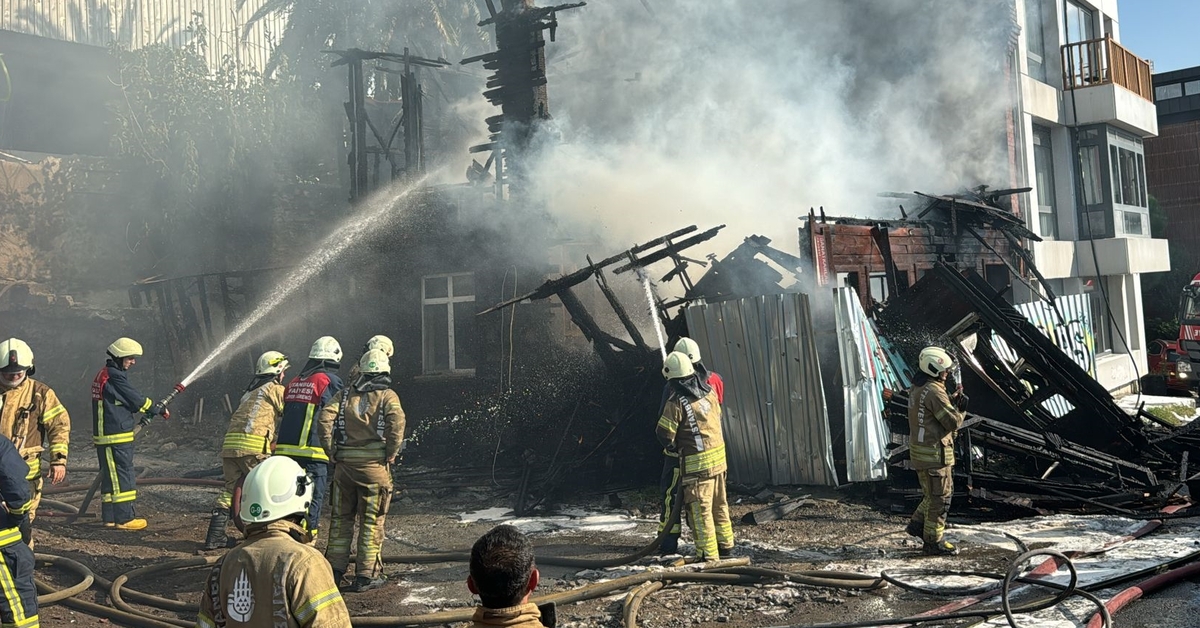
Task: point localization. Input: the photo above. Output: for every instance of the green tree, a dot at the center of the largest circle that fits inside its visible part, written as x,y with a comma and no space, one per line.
1161,291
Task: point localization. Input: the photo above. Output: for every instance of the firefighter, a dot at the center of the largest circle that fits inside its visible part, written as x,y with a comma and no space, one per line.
362,431
18,605
32,417
274,578
248,441
303,400
933,418
691,426
378,341
114,401
503,575
668,481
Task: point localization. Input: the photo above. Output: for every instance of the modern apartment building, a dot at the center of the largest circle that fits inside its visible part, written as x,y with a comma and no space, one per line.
1086,107
1173,158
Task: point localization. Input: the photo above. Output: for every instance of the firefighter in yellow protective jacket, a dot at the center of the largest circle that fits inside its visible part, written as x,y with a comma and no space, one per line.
691,425
362,429
249,439
32,417
933,419
274,577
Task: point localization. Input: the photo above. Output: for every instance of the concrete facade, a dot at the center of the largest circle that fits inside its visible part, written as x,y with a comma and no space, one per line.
1084,119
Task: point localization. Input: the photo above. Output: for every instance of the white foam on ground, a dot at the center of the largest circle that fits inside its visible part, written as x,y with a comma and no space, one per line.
423,595
569,520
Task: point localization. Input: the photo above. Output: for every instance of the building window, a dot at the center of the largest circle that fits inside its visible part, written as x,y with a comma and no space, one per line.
1091,172
1191,88
1133,223
879,287
1101,321
1081,23
448,323
1043,166
1167,92
1035,39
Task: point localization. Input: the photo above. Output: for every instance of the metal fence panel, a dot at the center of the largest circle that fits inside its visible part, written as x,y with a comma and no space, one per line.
866,372
135,24
775,421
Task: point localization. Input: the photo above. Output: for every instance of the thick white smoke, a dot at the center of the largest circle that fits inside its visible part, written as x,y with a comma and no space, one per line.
750,112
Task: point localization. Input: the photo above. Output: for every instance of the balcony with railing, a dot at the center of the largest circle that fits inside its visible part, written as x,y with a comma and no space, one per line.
1104,82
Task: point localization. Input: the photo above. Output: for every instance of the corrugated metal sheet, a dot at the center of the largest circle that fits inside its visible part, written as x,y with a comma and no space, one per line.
134,24
866,372
775,420
1072,333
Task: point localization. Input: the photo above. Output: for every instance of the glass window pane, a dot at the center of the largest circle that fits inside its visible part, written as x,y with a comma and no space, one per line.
1167,92
1191,88
436,338
464,336
1129,183
1116,174
1143,197
1093,191
464,285
1043,165
435,288
1035,39
1133,223
1101,329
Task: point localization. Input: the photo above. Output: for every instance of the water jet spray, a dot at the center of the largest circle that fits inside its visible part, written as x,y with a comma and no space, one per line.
645,278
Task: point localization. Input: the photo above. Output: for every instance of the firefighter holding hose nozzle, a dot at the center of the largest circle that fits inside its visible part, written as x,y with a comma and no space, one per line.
114,401
691,426
933,419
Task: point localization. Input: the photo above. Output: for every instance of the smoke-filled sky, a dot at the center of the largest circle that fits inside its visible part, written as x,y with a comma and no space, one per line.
748,113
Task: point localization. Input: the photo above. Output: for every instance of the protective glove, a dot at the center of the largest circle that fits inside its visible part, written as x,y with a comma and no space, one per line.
26,527
159,409
961,402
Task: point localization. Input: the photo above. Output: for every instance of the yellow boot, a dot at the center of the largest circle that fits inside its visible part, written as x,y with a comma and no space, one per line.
132,524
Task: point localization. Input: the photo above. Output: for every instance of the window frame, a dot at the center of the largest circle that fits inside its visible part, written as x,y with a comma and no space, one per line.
1043,142
449,301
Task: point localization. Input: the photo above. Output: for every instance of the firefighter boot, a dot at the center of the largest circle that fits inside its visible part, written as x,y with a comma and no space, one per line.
132,524
916,529
941,548
339,578
669,544
216,538
365,583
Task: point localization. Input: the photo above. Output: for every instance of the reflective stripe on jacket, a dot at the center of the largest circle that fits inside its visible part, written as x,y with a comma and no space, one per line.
253,423
114,401
370,428
302,403
36,421
272,579
693,428
932,422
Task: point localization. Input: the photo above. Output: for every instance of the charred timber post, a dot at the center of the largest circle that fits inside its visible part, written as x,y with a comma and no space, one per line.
583,319
626,321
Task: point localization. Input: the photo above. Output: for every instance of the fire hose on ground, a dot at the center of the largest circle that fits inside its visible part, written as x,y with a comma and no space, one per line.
737,572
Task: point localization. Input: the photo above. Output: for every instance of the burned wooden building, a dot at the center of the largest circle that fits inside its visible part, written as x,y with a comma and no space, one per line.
880,258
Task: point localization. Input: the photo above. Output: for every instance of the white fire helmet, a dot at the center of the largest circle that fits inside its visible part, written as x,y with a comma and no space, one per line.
326,348
16,362
382,343
276,488
689,347
677,366
125,348
271,363
934,361
374,361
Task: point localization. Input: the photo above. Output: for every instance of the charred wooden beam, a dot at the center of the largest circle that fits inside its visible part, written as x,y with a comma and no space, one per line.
670,250
553,286
617,307
586,324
